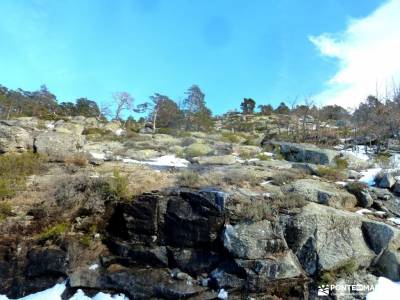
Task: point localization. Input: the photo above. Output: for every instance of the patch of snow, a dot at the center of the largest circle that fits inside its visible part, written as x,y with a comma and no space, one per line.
222,294
253,159
162,161
119,131
98,155
93,267
341,183
395,220
363,211
56,291
267,154
385,289
360,152
265,182
368,176
50,126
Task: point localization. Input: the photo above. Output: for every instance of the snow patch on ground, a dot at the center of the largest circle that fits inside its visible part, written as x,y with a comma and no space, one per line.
93,267
222,294
385,289
98,155
360,152
119,131
56,291
162,161
368,176
395,220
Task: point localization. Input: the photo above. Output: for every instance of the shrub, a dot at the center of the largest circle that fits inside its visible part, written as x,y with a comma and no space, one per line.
252,212
15,169
383,160
241,178
341,163
189,178
329,277
197,149
264,157
53,233
290,201
5,210
95,130
285,177
78,159
119,185
231,137
330,173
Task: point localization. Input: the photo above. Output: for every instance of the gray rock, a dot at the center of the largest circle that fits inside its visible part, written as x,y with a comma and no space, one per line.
58,144
351,174
254,241
378,235
260,272
324,238
215,160
306,153
396,187
386,181
14,139
322,192
389,262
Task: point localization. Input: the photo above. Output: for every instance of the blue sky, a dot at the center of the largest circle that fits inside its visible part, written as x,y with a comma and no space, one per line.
271,51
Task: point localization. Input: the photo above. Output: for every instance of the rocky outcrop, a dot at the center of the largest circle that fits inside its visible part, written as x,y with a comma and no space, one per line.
304,153
321,192
14,138
187,244
324,238
58,144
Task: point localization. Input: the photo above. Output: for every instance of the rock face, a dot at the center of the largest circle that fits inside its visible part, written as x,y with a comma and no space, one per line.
306,153
187,244
14,139
324,238
58,144
321,192
254,241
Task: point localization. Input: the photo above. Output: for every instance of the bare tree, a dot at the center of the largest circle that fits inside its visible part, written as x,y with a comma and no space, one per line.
124,101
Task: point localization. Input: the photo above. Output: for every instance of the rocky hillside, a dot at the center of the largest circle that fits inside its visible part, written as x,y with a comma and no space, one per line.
191,216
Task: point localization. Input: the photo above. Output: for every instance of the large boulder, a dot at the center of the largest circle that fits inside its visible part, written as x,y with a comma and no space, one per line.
324,238
254,241
14,139
58,144
306,153
71,128
322,192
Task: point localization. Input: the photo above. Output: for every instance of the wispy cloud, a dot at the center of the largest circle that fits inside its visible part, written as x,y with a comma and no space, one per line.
368,53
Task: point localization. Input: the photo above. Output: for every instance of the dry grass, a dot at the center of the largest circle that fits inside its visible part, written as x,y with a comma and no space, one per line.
77,159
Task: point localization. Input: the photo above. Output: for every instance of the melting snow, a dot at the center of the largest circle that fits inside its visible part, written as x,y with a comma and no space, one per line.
93,267
363,211
222,294
97,155
56,291
395,220
385,289
162,161
368,176
119,131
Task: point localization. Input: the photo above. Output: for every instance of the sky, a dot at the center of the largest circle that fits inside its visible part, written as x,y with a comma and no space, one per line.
331,51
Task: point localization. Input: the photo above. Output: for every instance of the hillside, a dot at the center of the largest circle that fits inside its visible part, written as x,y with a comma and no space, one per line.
191,215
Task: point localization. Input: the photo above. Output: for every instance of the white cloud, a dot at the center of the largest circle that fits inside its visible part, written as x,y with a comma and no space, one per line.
368,52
